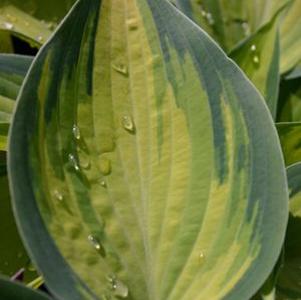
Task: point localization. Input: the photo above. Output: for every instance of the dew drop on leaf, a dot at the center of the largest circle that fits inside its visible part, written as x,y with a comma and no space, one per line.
201,257
8,25
253,48
40,38
122,69
118,287
209,19
73,162
103,184
255,55
58,195
76,132
128,124
132,24
256,60
105,166
246,28
97,245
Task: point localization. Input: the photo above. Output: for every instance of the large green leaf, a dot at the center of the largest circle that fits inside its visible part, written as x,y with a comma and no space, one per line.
259,57
230,21
13,69
50,11
6,109
218,18
288,286
23,25
148,161
291,38
15,291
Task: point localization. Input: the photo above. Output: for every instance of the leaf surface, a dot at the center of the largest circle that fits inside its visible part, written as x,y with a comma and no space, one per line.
23,25
13,69
138,145
288,285
259,56
290,32
230,21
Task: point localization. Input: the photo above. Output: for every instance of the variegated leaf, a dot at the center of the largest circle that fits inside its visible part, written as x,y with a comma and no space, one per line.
139,148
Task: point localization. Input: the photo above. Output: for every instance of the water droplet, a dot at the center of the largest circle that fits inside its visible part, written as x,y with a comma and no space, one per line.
246,28
73,162
105,166
58,195
118,287
209,19
8,25
128,124
256,60
76,132
26,24
255,55
122,69
132,24
201,256
203,11
103,183
97,245
40,38
253,48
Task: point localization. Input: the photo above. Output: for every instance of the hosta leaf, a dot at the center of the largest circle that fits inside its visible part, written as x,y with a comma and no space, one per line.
259,57
23,25
13,69
138,147
230,21
291,37
288,287
218,18
6,108
289,106
290,137
50,11
15,291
